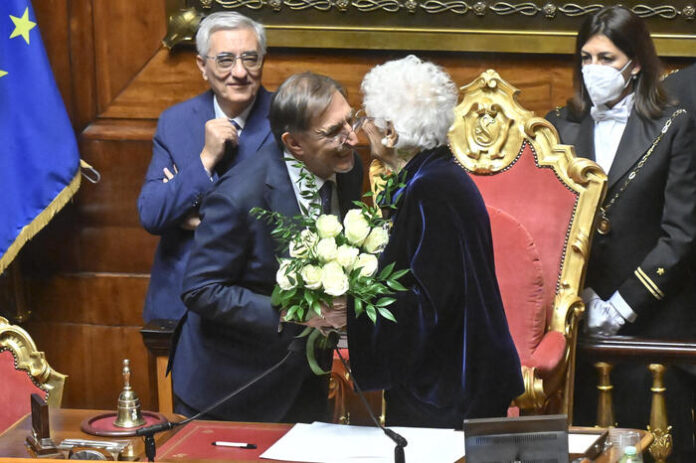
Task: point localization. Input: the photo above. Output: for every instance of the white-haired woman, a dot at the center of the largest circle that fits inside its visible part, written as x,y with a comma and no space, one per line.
449,356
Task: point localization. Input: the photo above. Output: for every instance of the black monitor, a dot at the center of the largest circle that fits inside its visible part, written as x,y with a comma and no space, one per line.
527,439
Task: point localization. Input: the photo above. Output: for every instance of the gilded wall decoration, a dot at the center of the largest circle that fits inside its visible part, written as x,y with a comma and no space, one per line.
448,25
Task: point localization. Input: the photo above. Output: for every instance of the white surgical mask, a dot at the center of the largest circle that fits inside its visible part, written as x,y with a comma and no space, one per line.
604,83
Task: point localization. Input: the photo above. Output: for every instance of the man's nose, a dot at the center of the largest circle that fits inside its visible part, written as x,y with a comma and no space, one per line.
238,69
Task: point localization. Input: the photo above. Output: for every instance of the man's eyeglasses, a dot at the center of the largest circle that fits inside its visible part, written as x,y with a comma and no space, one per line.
225,61
338,134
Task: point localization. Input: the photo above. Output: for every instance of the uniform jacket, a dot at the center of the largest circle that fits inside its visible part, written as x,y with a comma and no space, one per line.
450,347
179,140
682,86
648,254
230,332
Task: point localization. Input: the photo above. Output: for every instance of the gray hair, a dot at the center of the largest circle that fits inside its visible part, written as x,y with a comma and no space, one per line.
299,99
417,96
227,20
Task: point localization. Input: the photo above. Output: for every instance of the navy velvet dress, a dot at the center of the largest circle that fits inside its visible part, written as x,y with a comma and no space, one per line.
450,355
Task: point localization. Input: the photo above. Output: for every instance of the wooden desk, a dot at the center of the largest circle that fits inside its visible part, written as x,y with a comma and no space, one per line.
65,423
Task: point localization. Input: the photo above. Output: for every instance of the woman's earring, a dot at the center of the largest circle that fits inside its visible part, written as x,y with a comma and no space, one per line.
385,142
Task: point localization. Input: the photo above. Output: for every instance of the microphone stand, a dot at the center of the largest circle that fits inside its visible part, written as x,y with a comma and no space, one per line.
148,432
399,440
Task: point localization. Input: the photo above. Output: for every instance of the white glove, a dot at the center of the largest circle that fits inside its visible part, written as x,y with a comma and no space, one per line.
602,317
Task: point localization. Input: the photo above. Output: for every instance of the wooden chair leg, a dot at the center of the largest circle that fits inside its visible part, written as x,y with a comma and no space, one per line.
605,403
661,447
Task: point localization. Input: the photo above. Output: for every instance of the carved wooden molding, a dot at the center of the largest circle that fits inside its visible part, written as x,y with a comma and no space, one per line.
541,26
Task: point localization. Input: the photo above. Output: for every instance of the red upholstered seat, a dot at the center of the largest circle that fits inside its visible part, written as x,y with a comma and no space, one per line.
23,371
16,388
542,203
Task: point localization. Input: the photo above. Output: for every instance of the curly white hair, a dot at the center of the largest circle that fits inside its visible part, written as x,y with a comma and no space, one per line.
417,96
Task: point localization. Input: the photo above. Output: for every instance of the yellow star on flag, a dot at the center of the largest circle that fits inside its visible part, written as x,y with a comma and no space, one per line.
22,25
2,73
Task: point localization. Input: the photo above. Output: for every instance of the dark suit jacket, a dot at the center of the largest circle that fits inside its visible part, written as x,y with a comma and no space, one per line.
230,334
450,353
648,254
682,86
179,139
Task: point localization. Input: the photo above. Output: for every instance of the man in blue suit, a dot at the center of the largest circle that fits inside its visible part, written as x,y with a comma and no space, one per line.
231,334
197,141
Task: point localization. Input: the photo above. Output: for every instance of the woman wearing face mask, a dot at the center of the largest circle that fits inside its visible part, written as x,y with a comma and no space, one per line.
640,279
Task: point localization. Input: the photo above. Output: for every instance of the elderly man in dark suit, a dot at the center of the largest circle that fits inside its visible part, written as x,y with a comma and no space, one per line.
199,140
231,333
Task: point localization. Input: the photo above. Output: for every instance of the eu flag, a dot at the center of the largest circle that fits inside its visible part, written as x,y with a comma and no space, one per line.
39,160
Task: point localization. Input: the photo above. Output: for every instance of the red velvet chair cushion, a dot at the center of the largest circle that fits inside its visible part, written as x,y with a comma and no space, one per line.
541,204
16,388
530,210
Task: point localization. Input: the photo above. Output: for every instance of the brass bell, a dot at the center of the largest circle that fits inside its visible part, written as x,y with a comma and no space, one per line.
129,414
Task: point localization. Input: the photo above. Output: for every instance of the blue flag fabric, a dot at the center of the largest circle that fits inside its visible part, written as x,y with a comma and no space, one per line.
39,160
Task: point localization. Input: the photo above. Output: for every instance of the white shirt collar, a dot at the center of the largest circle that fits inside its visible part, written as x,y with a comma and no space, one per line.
608,132
240,119
294,173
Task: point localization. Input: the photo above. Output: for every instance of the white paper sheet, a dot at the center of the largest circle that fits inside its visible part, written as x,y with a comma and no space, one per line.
335,443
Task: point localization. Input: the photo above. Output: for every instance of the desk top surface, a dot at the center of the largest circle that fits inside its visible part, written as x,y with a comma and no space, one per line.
65,423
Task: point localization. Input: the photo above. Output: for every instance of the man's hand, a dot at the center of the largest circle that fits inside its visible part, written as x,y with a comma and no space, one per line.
331,318
217,132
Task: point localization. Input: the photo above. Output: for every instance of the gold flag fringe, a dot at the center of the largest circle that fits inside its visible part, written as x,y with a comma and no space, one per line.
40,221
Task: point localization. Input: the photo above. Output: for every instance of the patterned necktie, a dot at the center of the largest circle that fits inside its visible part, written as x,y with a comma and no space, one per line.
325,195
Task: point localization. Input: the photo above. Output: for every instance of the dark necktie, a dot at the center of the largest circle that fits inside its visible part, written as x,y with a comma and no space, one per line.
325,195
229,155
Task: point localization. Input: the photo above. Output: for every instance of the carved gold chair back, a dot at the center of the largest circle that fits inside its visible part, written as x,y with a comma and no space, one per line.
24,370
542,201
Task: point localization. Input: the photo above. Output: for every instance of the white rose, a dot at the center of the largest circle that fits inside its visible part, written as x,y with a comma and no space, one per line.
346,256
300,246
376,240
333,279
286,278
357,227
326,249
328,226
311,275
367,264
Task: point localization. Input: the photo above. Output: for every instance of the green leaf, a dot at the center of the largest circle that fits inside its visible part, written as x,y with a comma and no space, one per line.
386,314
371,313
316,307
311,357
385,301
358,307
276,296
396,286
399,273
386,271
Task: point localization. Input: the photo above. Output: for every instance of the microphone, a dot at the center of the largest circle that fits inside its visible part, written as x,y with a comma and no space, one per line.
148,432
398,439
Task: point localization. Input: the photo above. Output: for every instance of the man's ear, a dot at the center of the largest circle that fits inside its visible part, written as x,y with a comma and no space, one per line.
200,62
391,136
292,144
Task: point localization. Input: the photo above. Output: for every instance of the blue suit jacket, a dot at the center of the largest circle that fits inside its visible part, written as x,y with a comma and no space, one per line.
179,140
230,333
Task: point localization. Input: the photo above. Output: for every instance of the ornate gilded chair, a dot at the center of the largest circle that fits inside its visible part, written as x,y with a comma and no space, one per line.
23,371
542,202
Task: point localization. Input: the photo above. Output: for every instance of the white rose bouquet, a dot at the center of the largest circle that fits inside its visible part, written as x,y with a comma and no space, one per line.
328,259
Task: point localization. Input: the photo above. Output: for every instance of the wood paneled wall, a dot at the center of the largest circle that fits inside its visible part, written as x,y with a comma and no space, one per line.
86,274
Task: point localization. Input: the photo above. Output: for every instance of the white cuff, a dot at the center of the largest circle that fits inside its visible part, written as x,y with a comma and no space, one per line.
622,307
